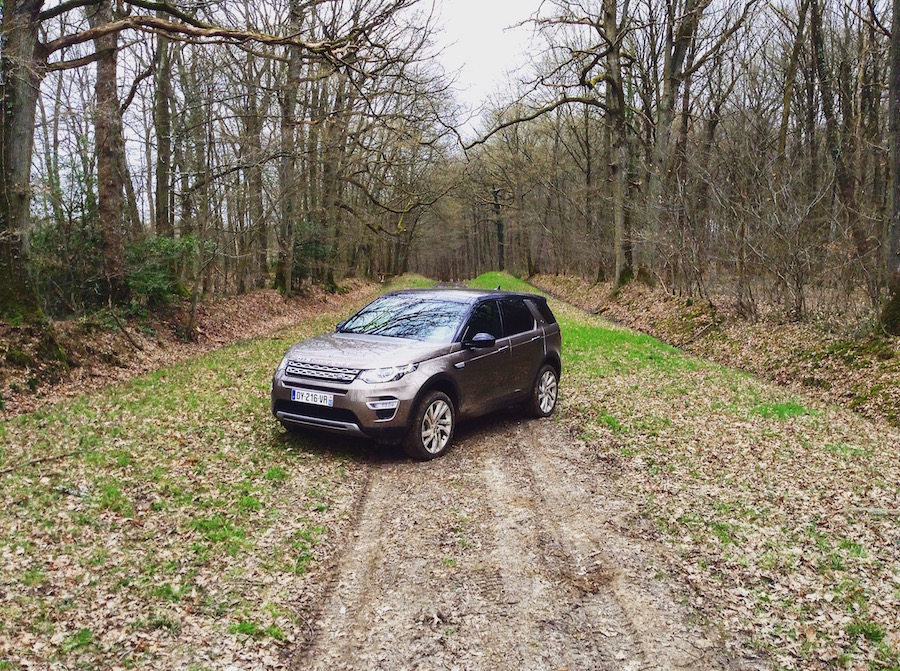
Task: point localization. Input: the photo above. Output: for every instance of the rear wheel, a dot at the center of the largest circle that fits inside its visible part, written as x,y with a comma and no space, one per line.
431,431
545,392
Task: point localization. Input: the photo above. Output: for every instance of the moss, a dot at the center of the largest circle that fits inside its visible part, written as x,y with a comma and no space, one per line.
811,381
19,357
890,313
49,349
858,354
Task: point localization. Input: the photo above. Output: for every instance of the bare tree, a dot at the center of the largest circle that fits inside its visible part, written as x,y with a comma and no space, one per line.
890,315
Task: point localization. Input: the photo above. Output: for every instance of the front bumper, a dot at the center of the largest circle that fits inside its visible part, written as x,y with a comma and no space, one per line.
350,415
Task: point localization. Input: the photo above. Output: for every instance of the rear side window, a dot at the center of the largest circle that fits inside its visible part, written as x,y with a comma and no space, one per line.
544,311
517,318
485,319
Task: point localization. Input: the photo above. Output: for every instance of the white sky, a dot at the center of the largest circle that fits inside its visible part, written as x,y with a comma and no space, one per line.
480,44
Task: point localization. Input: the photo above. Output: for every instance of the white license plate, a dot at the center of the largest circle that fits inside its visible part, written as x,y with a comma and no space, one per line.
312,397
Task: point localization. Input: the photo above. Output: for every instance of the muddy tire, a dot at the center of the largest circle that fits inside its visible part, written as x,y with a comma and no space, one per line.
431,430
545,392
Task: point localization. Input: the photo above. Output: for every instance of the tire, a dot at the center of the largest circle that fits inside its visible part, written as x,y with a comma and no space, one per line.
431,430
545,392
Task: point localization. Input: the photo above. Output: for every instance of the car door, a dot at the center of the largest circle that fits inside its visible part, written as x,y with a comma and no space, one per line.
526,344
481,373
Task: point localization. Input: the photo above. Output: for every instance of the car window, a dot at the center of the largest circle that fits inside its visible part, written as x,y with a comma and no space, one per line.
517,318
485,319
544,310
408,316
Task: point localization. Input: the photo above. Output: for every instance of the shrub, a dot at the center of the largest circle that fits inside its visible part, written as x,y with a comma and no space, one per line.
154,268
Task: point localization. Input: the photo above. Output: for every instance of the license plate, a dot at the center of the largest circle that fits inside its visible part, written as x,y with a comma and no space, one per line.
312,397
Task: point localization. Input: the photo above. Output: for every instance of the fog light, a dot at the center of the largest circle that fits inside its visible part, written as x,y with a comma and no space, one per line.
384,404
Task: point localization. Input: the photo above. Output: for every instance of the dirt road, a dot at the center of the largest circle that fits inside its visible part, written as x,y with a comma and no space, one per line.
508,553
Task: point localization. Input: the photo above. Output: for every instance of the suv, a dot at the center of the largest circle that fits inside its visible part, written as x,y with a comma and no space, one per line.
412,363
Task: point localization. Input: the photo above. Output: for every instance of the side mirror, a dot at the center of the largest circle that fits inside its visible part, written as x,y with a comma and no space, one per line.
480,341
340,325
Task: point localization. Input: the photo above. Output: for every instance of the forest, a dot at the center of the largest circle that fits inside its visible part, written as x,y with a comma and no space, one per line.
158,150
708,191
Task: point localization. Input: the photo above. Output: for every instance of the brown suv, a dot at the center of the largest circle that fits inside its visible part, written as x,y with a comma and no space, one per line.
410,364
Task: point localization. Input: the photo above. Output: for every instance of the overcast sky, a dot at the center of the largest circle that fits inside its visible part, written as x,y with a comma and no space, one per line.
480,44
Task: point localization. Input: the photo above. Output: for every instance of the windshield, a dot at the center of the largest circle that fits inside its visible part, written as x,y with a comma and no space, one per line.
409,316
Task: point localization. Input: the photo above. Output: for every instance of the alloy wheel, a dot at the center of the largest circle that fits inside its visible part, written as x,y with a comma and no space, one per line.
547,390
437,425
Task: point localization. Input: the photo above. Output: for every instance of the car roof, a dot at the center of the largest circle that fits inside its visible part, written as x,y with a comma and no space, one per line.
461,295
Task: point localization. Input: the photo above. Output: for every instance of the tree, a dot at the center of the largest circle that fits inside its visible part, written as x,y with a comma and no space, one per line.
21,71
26,58
110,148
890,315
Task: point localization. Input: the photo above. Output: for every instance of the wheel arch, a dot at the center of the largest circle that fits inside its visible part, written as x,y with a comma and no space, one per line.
444,384
553,359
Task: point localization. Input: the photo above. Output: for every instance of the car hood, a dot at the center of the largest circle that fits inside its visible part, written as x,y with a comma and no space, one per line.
353,350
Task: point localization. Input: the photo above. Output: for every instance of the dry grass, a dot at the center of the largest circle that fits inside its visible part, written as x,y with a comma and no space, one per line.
860,372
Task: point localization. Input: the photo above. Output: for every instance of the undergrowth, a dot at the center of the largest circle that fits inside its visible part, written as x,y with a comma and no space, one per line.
164,507
777,508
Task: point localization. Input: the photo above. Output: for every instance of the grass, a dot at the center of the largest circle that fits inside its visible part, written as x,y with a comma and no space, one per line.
174,493
780,410
762,493
175,503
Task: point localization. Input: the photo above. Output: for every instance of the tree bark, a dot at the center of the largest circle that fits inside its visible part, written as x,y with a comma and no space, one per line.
615,110
890,314
162,121
110,149
22,67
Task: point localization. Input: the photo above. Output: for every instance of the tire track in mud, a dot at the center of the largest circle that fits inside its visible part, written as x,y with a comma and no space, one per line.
504,554
614,574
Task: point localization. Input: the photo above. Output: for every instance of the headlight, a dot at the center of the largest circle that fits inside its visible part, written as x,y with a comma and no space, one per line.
282,365
379,375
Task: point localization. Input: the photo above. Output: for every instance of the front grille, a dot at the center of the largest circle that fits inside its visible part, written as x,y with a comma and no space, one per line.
317,411
319,372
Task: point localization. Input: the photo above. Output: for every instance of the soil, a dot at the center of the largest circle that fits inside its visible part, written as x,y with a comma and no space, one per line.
510,552
507,553
105,349
842,362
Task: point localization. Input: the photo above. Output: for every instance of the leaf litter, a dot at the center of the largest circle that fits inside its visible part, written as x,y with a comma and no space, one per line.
780,509
168,521
189,530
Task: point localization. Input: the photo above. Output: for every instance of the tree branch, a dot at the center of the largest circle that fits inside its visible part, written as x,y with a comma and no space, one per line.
564,100
154,24
64,7
134,87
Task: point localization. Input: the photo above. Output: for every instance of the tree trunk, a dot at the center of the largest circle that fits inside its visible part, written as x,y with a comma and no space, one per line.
162,122
789,80
680,31
501,237
109,147
615,109
844,178
22,67
890,315
253,125
287,176
51,155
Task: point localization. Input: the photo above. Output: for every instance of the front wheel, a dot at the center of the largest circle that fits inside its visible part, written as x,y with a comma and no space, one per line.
431,430
545,392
